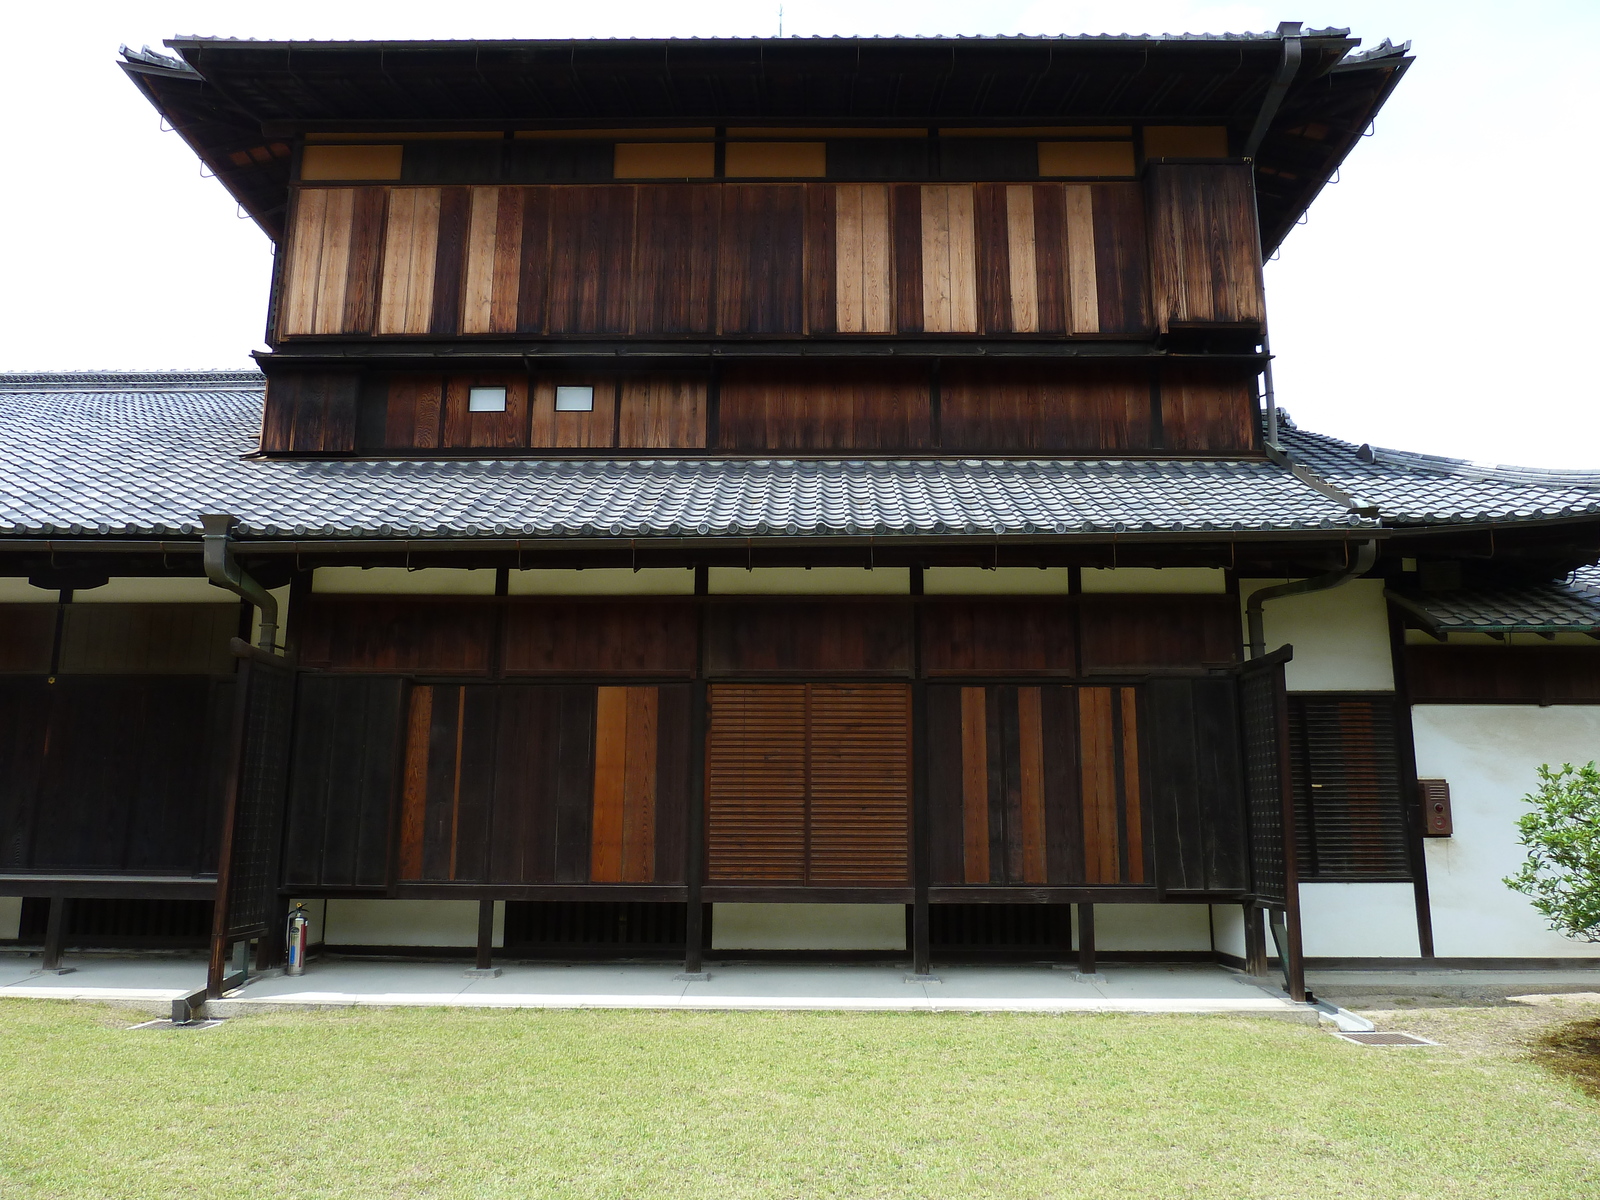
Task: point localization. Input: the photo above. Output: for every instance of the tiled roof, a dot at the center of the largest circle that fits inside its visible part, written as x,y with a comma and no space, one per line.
1572,606
144,454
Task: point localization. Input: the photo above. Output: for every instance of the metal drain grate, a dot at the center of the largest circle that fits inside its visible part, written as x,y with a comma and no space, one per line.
1386,1039
166,1023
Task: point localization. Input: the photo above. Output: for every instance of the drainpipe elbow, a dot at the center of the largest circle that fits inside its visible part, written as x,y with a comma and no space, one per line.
225,572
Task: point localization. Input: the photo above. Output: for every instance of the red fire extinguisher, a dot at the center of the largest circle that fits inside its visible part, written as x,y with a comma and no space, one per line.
299,922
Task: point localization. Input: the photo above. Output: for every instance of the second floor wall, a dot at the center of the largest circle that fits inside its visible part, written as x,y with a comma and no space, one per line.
1174,250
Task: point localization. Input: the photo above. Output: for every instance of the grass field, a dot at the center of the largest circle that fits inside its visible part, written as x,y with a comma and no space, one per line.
453,1103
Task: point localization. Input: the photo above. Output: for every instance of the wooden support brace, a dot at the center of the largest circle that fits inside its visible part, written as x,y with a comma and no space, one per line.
55,932
1255,941
1086,963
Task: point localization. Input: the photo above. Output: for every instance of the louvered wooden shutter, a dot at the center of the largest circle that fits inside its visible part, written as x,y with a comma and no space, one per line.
809,784
756,783
860,784
1349,823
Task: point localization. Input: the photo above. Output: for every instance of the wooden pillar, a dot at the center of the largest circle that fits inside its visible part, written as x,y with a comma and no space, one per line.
55,932
1255,941
485,936
694,856
921,837
1086,963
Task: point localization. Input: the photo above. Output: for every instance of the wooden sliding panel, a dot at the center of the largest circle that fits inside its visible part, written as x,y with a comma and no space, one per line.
1083,295
761,276
1205,264
410,250
1113,811
1192,752
1121,258
1022,277
949,262
1004,786
862,256
675,259
662,412
591,259
756,784
493,271
623,829
859,784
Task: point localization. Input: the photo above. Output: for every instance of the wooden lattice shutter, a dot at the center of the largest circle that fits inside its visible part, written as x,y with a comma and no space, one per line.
1349,822
860,783
756,783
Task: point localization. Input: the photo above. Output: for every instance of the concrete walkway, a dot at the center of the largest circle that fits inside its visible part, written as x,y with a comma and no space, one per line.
733,986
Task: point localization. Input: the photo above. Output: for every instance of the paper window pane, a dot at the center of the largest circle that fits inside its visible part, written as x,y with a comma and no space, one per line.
486,399
574,399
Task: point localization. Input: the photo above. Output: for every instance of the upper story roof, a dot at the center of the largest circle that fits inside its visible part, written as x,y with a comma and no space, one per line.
1296,101
143,454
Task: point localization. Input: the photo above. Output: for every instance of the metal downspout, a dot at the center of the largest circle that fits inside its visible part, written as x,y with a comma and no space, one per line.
1365,557
224,571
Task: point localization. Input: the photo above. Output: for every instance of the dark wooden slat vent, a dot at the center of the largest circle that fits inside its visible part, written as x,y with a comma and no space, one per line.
1349,819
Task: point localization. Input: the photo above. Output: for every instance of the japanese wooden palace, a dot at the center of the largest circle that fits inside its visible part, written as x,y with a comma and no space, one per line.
817,498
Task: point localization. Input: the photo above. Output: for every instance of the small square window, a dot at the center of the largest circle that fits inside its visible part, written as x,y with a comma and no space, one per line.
574,399
486,399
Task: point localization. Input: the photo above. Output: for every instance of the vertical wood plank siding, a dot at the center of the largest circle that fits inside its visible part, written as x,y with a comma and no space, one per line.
777,259
975,784
862,258
623,837
663,412
1205,261
949,263
756,747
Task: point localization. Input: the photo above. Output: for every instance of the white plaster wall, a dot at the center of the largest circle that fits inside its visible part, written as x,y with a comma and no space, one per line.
10,918
16,589
808,927
1490,753
399,581
1002,581
151,590
1340,636
1357,920
603,581
813,581
1150,927
407,923
1227,929
1212,581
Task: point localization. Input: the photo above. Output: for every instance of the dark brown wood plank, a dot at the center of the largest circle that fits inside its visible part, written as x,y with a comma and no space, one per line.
366,259
997,636
574,800
450,263
825,406
1050,244
533,291
975,785
1121,257
395,635
906,220
1137,632
591,259
761,279
599,638
610,754
808,638
821,249
992,243
675,259
414,788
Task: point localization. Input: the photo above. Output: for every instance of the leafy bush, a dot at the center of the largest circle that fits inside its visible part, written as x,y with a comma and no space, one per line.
1562,834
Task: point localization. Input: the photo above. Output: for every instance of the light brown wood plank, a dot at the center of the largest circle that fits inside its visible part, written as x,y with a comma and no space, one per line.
663,412
411,240
963,259
1098,765
1130,784
305,261
574,430
333,270
639,786
477,293
862,258
949,260
975,784
1030,730
610,784
1083,291
1021,245
414,788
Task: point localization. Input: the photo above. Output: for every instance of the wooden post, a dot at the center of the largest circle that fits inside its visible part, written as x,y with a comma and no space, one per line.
1255,941
55,931
694,856
1086,964
921,840
485,936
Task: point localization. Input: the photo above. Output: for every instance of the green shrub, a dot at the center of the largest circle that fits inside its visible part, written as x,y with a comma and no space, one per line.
1562,834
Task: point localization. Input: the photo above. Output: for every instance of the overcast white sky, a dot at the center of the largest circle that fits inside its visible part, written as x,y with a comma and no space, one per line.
1438,299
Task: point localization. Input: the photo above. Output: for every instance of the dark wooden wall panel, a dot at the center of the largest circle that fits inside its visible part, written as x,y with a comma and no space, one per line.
998,637
311,412
1005,407
1196,784
675,261
821,251
591,259
799,638
1050,250
1122,269
1137,632
906,233
825,406
395,635
344,781
1503,674
1208,410
1205,264
27,633
464,429
992,247
655,637
763,258
450,261
156,638
533,290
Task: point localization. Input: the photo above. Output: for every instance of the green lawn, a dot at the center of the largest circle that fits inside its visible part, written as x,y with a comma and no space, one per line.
640,1104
